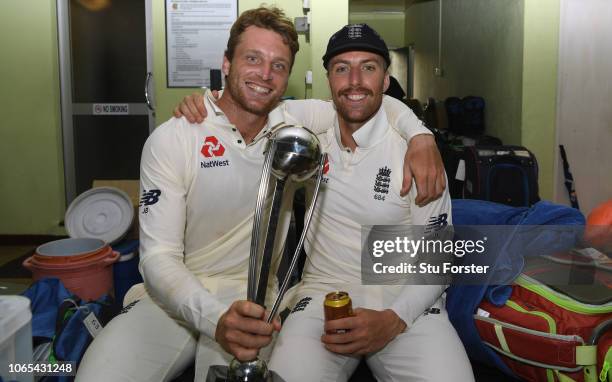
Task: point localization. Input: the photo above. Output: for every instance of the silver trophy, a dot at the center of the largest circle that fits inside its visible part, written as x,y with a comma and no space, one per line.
293,154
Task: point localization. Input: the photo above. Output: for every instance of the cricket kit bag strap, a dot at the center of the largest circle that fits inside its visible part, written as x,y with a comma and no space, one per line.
542,334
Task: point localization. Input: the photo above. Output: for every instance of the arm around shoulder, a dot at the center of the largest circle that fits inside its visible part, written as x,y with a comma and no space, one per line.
314,114
402,119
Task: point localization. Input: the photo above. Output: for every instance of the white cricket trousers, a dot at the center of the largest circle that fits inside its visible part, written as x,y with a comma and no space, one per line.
429,350
145,344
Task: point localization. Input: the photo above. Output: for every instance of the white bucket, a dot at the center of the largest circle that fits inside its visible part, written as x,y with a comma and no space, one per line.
15,337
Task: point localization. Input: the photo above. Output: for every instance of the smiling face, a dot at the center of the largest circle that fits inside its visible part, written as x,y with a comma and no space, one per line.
357,81
259,70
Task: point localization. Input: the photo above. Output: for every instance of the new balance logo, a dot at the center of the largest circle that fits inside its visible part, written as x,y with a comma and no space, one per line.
127,308
149,197
436,222
326,166
301,305
212,147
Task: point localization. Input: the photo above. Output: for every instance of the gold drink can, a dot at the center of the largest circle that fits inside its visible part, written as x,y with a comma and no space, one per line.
337,305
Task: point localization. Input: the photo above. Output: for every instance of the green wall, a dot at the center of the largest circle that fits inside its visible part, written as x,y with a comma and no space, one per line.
503,50
386,17
32,188
390,26
540,63
482,42
327,18
167,98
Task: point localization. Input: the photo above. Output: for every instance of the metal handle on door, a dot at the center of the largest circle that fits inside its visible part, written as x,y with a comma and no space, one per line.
146,91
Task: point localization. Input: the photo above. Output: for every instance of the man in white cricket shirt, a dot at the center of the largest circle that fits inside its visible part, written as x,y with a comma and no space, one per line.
199,184
402,331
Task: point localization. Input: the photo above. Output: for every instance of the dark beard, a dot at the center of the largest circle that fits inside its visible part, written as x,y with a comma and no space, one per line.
344,112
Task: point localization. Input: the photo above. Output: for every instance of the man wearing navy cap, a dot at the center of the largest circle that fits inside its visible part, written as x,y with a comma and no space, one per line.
389,328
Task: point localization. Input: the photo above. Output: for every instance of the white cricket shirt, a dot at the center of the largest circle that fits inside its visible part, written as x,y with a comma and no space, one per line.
363,188
199,185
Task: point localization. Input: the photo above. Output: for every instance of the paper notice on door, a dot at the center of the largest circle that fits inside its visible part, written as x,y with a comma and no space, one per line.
196,37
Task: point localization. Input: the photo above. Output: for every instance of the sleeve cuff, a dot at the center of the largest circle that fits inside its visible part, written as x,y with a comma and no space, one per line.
202,312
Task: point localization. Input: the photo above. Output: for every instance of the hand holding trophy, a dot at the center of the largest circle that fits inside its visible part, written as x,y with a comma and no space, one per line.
293,154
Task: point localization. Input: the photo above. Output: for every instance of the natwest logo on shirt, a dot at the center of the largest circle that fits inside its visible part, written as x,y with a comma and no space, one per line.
212,147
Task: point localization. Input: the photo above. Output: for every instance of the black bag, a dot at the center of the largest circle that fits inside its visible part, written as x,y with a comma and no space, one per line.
454,114
452,149
430,117
501,174
473,115
451,157
466,115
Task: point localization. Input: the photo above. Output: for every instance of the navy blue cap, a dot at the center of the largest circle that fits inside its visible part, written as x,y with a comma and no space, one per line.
356,37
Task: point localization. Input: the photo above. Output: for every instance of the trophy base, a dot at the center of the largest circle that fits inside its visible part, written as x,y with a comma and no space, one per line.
251,371
219,373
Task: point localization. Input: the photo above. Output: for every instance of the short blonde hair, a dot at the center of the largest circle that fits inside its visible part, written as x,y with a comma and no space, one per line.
271,18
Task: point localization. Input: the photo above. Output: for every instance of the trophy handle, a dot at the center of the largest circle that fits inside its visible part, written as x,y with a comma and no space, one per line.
268,250
298,249
261,198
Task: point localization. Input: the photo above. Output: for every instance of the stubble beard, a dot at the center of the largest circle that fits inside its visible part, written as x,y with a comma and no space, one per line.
362,117
345,111
240,98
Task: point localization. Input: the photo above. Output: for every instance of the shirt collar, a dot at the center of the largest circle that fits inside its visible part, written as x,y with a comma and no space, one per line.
370,133
211,107
276,117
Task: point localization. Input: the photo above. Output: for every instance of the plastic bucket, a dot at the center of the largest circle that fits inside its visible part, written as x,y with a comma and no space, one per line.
66,251
82,265
15,337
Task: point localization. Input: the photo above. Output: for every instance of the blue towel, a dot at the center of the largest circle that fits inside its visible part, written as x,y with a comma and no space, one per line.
462,300
58,316
46,296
